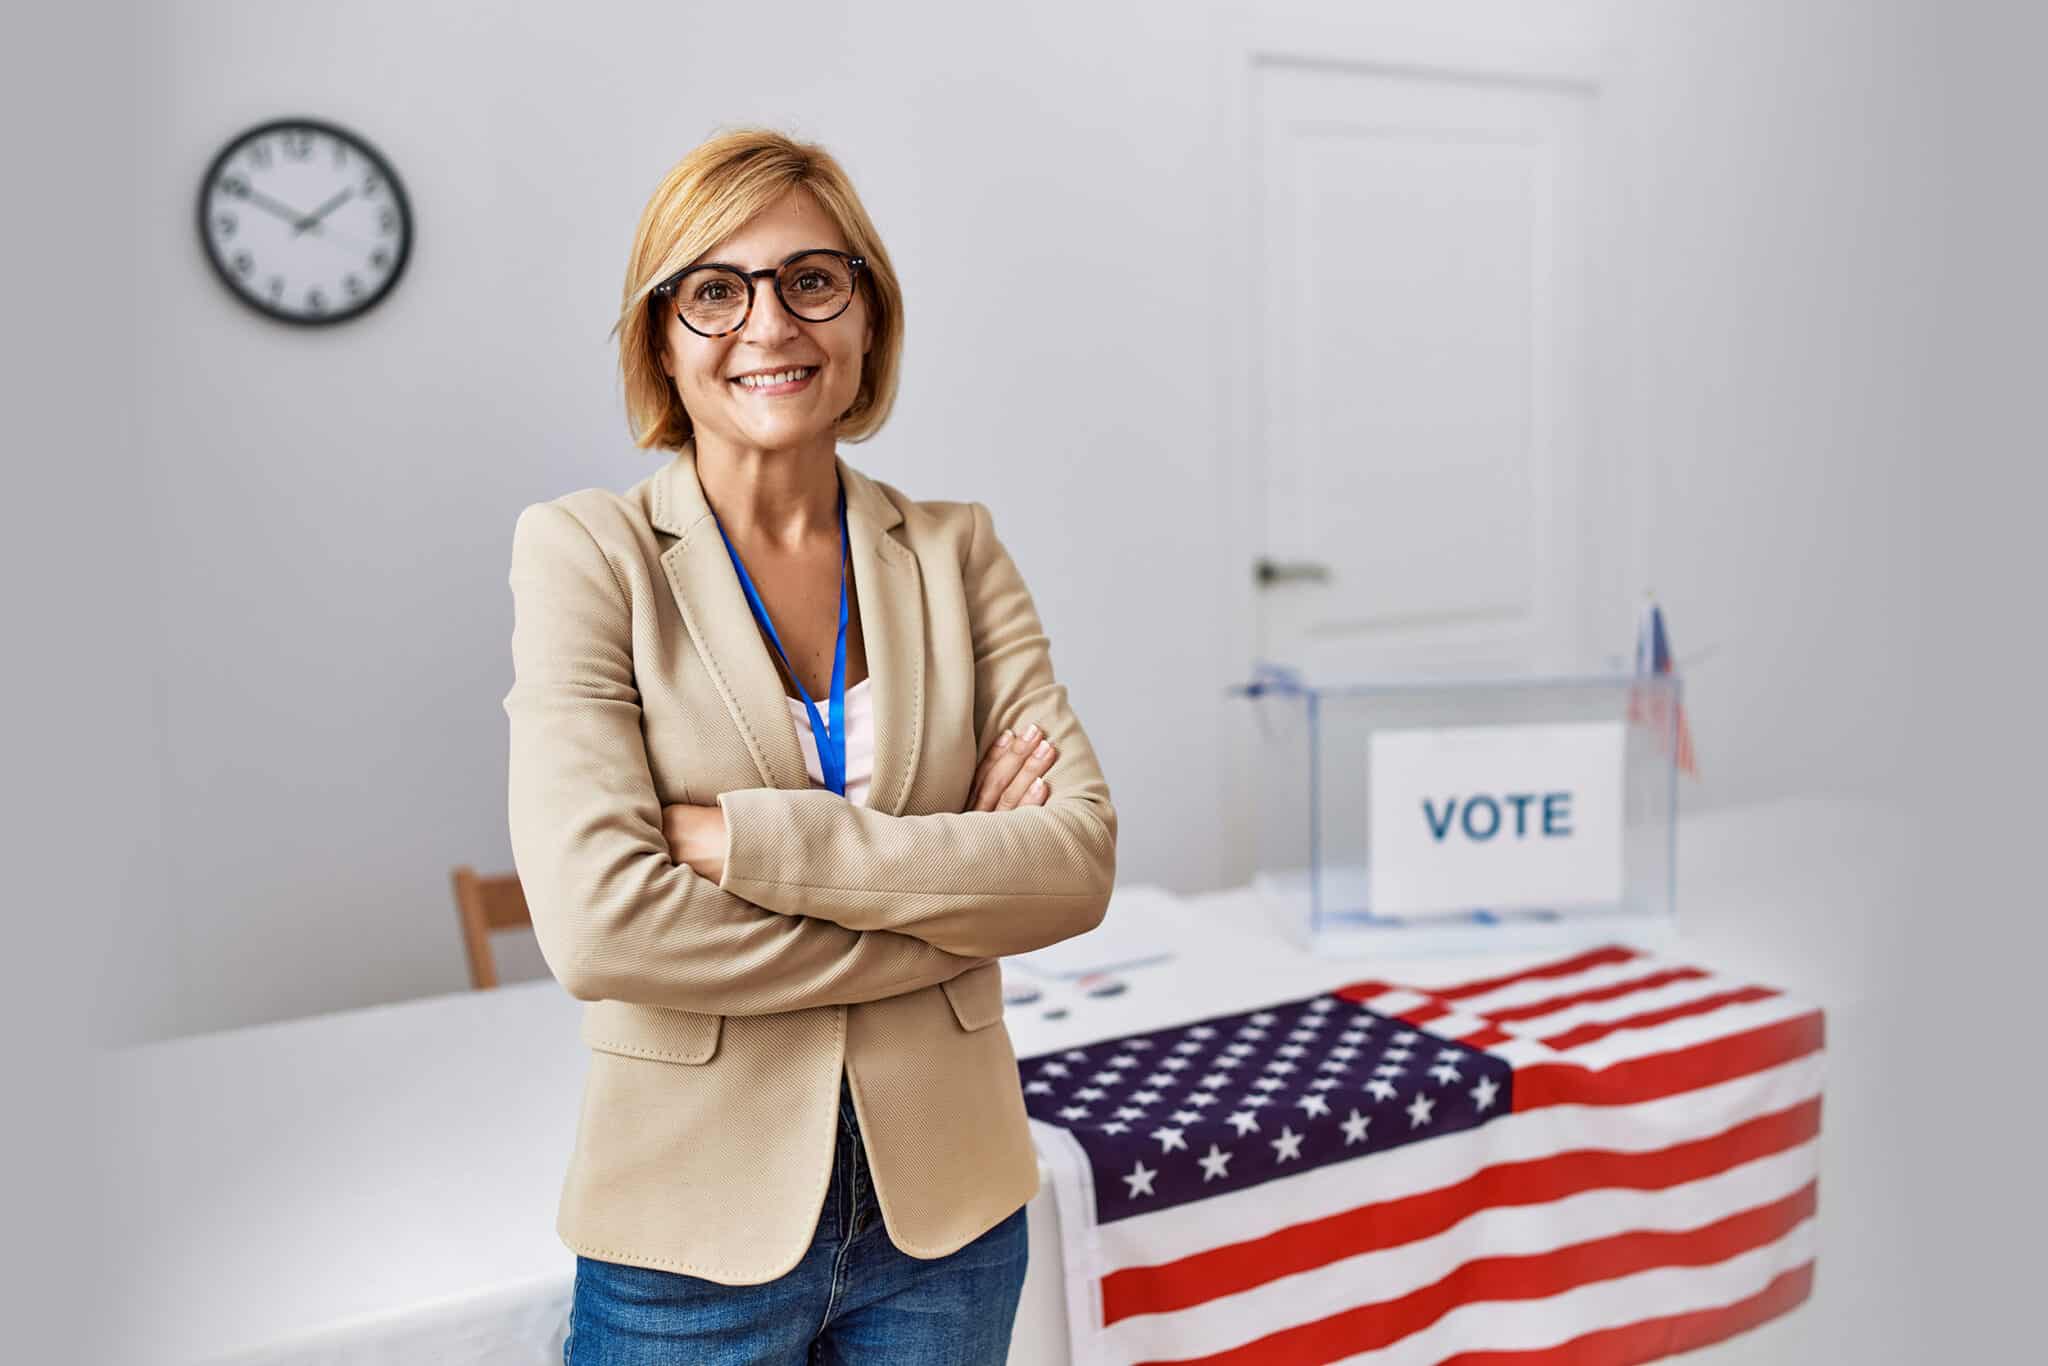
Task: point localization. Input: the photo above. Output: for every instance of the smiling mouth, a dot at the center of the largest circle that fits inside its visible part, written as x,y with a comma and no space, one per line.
787,381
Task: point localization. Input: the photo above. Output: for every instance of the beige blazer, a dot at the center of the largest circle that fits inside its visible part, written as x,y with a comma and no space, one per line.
865,937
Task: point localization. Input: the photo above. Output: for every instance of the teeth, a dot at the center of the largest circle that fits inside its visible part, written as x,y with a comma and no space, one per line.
779,377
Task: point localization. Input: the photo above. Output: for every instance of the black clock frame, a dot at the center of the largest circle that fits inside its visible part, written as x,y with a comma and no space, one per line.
383,167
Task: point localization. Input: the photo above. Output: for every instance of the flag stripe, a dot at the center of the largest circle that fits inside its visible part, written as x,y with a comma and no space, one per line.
1270,1208
1591,994
1564,967
1522,1278
1529,1232
1591,1032
1661,1337
1239,1266
1669,1074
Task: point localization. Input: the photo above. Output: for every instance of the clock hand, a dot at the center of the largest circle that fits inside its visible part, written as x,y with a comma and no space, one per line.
312,220
264,201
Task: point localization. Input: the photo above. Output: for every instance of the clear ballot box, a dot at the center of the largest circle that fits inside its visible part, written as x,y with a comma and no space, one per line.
1466,815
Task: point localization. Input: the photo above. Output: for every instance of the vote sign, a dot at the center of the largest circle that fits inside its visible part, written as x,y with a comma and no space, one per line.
1495,817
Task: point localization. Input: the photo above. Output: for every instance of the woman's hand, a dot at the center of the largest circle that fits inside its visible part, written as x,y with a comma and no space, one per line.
1012,774
696,836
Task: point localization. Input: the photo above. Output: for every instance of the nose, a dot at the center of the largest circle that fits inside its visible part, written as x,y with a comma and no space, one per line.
769,322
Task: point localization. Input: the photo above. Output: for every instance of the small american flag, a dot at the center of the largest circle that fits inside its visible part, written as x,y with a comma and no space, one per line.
1663,712
1606,1158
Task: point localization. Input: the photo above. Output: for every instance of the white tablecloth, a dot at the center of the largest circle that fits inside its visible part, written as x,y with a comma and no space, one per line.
379,1185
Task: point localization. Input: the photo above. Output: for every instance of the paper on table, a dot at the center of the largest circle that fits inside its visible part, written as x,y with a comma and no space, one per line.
1137,929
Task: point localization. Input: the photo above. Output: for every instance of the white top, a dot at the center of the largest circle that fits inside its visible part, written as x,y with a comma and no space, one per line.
860,739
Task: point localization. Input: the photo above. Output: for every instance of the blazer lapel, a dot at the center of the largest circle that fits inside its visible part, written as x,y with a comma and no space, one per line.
714,608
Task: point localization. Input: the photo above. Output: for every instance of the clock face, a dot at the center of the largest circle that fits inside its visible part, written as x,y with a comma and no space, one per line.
304,221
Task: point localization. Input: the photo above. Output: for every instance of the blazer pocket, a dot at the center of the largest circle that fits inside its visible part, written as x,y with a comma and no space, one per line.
655,1032
977,996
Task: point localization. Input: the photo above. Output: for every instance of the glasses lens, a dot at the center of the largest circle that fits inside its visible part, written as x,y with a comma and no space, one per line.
816,286
711,299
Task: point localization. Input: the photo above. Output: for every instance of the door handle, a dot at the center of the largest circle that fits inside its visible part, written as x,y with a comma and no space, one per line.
1268,572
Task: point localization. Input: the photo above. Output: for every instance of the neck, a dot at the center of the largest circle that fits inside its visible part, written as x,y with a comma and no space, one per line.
783,499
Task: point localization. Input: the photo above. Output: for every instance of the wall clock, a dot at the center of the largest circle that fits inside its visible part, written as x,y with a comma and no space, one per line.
304,222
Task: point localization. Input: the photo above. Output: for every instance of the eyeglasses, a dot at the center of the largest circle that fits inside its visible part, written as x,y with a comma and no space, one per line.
715,300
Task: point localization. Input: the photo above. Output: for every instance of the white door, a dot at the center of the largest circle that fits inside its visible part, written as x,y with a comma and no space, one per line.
1418,390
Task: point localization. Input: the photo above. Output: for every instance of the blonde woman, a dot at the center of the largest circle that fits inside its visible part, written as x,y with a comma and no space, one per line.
789,772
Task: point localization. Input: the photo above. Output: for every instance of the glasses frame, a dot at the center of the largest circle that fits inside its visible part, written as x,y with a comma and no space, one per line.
668,288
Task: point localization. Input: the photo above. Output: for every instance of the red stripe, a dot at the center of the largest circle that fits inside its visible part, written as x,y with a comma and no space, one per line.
1579,998
1706,1005
1652,1339
1485,1038
1667,1074
1227,1270
1422,1015
1360,992
1539,1276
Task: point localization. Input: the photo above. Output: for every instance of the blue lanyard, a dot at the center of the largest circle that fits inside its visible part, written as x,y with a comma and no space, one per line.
832,740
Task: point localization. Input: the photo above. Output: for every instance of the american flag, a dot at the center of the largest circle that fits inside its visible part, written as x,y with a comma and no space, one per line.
1605,1158
1662,711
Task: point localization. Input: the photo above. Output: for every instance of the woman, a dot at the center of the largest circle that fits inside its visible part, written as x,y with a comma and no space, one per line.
781,794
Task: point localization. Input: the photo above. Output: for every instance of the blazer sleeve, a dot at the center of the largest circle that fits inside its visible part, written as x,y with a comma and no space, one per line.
616,917
977,882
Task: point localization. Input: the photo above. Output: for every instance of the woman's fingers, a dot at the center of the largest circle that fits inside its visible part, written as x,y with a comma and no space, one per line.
1035,762
1010,765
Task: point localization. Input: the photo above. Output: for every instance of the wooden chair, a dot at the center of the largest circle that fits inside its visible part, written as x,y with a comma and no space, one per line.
483,904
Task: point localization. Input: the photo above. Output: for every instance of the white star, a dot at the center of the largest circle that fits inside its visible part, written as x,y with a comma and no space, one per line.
1123,1060
1115,1126
1245,1122
1074,1112
1444,1072
1038,1088
1129,1112
1189,1046
1288,1144
1280,1066
1143,1097
1201,1032
1256,1100
1314,1104
1418,1110
1449,1054
1483,1093
1292,1050
1264,1017
1186,1116
1075,1055
1090,1093
1381,1088
1053,1069
1406,1036
1324,1083
1160,1079
1399,1054
1137,1043
1214,1080
1173,1064
1389,1069
1141,1180
1107,1078
1214,1163
1354,1128
1169,1139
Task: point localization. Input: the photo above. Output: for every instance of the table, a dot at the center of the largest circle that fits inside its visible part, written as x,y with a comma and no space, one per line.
379,1185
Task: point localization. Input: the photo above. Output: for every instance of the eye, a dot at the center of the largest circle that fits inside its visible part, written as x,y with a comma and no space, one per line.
704,295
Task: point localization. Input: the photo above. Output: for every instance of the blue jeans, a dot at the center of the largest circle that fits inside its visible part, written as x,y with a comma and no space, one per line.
853,1298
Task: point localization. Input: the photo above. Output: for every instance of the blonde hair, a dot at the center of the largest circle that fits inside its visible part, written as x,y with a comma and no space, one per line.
708,195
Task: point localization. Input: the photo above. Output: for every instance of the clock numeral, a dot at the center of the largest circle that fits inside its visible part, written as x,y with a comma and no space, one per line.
259,155
244,263
353,285
298,143
372,182
277,286
380,258
232,184
316,302
387,222
224,224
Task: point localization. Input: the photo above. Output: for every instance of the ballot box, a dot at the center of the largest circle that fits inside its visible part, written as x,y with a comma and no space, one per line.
1466,814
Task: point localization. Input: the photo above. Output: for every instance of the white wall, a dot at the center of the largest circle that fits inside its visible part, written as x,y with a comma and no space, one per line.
319,531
